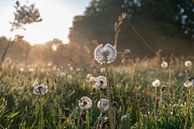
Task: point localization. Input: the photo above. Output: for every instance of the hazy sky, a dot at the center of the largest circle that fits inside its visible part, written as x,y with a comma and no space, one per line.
57,17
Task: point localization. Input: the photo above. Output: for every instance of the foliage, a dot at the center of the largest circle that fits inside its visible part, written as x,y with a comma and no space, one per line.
133,93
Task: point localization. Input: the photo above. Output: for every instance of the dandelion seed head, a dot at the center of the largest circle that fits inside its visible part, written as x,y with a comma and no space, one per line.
101,82
103,105
85,103
188,64
105,54
40,89
156,83
164,64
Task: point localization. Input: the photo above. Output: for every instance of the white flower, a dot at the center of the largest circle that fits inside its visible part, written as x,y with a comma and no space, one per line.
103,105
101,82
164,64
40,89
156,83
106,54
188,64
189,82
85,103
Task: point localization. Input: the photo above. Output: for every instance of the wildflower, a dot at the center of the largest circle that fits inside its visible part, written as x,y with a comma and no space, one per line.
103,105
156,83
40,89
188,64
106,54
164,64
189,82
101,82
85,103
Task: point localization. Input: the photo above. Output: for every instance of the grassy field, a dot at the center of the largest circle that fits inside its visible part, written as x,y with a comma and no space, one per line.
136,103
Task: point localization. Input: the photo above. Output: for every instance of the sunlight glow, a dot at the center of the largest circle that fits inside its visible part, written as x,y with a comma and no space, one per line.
57,18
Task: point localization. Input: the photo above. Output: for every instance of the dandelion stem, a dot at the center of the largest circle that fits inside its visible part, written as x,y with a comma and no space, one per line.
41,115
189,100
156,107
109,98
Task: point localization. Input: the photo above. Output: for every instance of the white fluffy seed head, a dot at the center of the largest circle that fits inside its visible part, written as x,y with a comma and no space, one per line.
105,54
85,103
164,64
156,83
188,64
103,105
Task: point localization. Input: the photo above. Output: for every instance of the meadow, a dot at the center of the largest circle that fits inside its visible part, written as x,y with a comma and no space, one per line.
116,97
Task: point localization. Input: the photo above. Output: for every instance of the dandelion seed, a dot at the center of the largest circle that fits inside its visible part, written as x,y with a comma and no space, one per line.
164,64
103,105
156,83
40,89
101,82
106,54
188,64
85,103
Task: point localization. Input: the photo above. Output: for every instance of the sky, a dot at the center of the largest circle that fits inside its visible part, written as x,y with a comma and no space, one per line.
57,18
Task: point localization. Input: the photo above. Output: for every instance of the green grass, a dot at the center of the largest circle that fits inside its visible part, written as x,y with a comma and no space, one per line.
135,97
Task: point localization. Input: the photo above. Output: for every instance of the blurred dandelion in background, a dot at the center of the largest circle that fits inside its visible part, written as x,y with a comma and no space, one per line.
40,89
103,105
188,64
156,83
189,82
85,103
164,64
105,54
